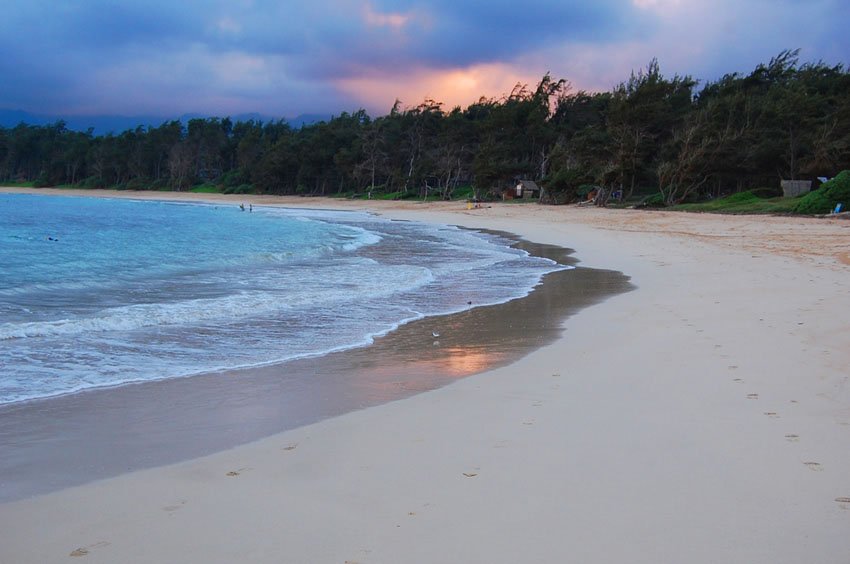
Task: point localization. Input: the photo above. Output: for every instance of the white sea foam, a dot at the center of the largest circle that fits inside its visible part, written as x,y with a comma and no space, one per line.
228,308
127,297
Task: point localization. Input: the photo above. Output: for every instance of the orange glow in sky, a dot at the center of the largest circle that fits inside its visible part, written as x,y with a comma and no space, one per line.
453,87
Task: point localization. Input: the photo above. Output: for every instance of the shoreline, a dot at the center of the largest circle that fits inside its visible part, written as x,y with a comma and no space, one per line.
558,255
800,237
703,417
172,419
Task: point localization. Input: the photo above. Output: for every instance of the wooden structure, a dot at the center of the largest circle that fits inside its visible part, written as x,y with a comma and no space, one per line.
793,188
526,189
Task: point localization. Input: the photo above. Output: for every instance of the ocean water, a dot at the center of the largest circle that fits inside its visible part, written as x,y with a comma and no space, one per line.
98,292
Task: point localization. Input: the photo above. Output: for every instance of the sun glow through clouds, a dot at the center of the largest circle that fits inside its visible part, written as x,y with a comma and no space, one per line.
326,56
452,87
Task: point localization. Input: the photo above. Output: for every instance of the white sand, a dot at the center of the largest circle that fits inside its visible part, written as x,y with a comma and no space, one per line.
703,418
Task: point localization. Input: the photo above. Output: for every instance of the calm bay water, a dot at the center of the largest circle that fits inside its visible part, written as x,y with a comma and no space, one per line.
99,292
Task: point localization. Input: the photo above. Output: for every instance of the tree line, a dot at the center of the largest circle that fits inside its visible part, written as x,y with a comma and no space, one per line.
650,134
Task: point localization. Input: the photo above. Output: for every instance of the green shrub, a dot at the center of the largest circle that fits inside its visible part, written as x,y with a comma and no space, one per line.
386,195
137,184
160,184
91,182
234,178
838,189
583,190
241,189
766,192
42,181
813,203
564,184
463,193
823,199
739,198
206,188
654,201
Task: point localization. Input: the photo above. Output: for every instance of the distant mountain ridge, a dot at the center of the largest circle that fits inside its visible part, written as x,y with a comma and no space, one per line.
105,124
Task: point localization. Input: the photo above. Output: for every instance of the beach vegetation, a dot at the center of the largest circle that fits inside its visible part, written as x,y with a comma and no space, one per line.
652,140
827,196
92,182
654,200
235,177
466,192
19,183
207,188
241,189
758,201
42,181
380,195
134,184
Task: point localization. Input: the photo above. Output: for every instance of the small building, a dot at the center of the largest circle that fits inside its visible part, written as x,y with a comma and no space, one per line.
794,188
526,189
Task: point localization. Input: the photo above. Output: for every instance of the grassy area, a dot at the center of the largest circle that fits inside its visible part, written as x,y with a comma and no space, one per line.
206,189
517,201
387,195
742,203
31,184
399,195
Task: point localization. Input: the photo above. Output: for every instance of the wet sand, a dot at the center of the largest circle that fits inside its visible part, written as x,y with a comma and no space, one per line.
66,441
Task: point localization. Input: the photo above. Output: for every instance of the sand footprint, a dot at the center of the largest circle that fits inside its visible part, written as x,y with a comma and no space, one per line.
84,550
175,507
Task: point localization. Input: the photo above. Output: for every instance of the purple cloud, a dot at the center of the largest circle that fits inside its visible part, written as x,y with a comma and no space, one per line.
284,58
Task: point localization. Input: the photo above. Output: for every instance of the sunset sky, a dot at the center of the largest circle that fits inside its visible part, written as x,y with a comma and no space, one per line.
279,58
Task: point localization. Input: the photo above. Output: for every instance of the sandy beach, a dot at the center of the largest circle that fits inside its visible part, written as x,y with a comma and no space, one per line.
703,417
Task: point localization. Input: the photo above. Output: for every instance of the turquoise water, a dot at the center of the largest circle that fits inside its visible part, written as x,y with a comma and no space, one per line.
101,292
